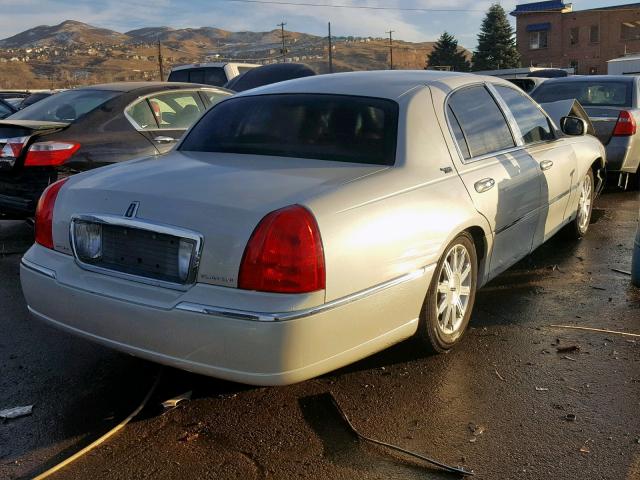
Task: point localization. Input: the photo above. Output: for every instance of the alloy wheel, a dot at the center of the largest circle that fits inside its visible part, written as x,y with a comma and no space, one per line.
584,203
454,289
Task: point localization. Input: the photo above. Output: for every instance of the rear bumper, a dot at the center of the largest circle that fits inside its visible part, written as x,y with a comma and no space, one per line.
221,342
623,154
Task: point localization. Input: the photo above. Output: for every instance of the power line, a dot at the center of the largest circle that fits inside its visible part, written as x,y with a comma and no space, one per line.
356,7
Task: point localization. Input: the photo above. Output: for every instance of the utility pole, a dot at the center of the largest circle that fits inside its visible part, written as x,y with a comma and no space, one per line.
160,61
390,32
284,49
330,51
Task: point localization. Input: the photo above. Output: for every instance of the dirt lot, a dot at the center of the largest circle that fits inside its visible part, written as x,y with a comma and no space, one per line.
505,403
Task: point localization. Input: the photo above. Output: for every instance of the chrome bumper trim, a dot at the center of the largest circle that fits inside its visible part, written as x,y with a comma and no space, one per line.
292,315
37,268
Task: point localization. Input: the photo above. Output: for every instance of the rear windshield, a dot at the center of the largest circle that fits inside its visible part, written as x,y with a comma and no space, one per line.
214,76
66,106
324,127
591,93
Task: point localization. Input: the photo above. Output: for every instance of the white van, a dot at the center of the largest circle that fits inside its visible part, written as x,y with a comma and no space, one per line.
216,74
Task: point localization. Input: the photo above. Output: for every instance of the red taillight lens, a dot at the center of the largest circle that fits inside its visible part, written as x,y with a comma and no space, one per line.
13,147
284,254
50,154
44,214
625,126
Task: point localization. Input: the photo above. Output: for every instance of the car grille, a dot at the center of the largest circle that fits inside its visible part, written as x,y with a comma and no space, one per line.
140,252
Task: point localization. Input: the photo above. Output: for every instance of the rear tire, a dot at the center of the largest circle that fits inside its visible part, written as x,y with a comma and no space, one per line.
579,225
447,307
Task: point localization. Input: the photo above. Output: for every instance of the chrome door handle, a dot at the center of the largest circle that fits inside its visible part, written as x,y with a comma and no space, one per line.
546,164
162,139
484,185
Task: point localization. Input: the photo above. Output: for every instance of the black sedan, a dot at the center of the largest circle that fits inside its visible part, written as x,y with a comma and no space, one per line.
89,127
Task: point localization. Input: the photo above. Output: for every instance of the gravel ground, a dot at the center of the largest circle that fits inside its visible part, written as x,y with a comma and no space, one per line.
505,403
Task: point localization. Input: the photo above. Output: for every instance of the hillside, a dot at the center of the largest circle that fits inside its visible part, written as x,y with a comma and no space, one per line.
66,33
74,53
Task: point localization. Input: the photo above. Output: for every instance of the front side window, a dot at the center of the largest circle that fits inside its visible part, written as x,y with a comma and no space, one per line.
66,106
481,121
338,128
594,34
589,94
533,124
538,40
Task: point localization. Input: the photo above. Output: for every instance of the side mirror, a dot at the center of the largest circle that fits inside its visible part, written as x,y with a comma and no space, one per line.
573,126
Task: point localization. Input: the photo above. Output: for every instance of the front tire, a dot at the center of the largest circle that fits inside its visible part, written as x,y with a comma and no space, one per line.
447,307
579,225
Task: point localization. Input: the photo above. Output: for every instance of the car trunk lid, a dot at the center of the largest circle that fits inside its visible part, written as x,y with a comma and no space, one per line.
24,130
220,196
604,121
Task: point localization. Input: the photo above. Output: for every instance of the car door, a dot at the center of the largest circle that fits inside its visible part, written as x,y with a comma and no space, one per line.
553,154
164,117
499,174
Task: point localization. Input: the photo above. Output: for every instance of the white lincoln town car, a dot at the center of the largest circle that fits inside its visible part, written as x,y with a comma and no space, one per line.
307,224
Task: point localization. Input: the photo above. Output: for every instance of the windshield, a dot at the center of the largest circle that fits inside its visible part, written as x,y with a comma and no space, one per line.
323,127
66,106
589,94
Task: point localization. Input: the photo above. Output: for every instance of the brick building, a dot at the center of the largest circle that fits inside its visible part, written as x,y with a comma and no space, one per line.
552,34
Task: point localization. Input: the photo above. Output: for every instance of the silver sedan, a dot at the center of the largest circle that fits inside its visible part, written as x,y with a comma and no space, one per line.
305,225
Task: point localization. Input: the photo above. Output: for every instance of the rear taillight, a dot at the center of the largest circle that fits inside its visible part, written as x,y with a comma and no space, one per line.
50,154
625,126
13,147
284,254
44,214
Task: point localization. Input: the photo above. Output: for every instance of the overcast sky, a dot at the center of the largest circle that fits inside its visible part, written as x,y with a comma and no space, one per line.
123,15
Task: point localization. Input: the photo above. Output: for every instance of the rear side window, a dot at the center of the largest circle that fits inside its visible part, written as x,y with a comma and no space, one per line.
588,93
214,96
179,76
214,76
66,106
5,111
323,127
533,124
176,110
482,123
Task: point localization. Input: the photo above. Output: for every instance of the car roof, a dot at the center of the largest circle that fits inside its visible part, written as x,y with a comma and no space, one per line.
591,78
389,84
212,65
131,86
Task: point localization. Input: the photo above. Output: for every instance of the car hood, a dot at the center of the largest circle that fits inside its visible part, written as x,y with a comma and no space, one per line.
221,196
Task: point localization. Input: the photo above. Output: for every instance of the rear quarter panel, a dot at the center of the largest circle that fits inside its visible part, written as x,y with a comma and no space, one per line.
397,221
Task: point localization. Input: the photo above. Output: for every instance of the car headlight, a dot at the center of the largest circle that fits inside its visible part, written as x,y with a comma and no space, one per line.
88,241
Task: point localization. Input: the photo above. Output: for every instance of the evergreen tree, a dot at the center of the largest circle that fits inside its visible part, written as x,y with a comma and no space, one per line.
445,54
496,42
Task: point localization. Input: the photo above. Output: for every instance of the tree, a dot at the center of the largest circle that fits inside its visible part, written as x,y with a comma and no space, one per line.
496,42
445,54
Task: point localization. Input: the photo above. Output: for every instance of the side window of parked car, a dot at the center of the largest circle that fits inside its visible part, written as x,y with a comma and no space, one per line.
142,115
176,110
533,124
481,122
214,96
